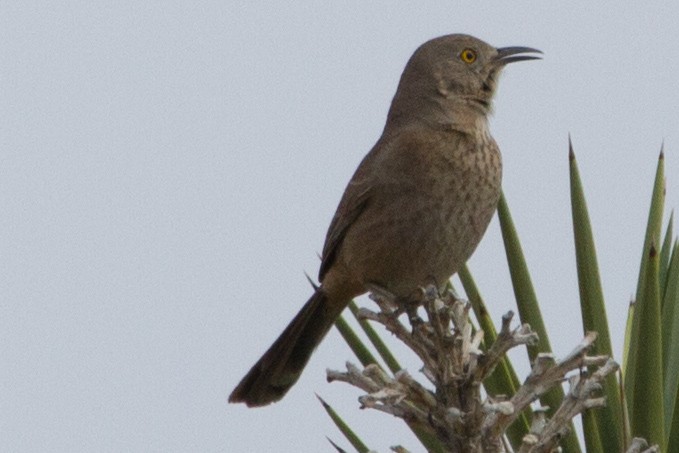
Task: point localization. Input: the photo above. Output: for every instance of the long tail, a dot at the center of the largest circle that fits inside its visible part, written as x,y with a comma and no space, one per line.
282,364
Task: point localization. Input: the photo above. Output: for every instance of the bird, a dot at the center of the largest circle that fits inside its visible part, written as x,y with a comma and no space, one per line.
416,207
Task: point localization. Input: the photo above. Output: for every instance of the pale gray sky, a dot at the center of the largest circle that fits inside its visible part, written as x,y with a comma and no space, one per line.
168,171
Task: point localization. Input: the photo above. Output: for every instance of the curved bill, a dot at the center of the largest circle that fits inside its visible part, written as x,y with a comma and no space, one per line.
506,55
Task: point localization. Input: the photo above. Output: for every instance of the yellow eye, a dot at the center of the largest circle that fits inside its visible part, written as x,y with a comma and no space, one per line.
468,56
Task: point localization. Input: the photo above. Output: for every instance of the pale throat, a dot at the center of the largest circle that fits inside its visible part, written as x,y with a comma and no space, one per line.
469,118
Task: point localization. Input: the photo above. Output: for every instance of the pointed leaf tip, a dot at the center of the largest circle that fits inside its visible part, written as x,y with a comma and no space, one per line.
311,281
337,447
325,405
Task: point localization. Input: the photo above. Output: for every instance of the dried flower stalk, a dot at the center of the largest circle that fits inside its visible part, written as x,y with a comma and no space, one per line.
456,410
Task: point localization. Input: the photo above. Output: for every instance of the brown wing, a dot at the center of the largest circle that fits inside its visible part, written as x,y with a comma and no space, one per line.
354,201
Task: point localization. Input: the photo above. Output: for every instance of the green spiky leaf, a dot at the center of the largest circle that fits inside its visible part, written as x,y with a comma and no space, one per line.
665,254
653,231
670,337
594,318
529,311
348,433
648,373
357,347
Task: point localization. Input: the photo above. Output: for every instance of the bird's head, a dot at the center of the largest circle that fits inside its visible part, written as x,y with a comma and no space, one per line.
454,75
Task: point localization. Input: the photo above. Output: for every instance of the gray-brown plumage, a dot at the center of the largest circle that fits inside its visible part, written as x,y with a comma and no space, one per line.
415,209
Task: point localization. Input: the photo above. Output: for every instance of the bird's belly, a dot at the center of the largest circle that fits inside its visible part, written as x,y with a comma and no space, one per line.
405,244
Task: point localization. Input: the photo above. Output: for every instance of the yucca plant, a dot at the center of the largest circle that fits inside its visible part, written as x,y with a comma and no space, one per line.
476,401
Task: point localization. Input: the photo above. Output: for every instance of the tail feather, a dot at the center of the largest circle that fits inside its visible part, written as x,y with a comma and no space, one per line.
282,364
